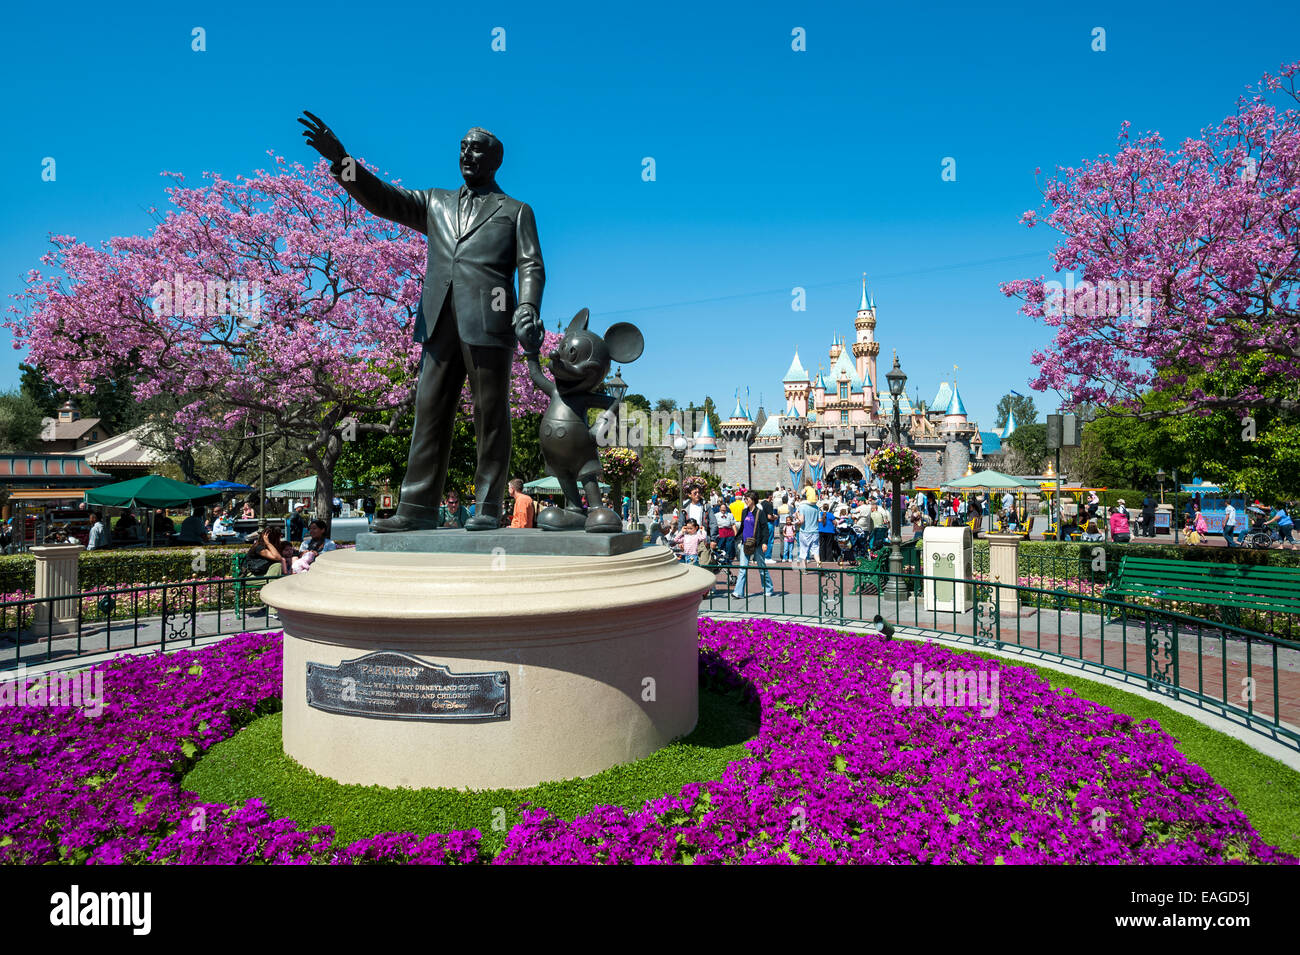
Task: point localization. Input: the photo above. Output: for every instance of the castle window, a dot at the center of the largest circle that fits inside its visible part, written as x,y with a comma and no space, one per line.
844,391
844,417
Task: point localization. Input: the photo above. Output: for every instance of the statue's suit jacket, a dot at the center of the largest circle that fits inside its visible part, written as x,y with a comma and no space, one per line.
475,268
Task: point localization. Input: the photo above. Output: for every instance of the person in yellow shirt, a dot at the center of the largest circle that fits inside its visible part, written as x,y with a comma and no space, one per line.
810,493
525,513
737,508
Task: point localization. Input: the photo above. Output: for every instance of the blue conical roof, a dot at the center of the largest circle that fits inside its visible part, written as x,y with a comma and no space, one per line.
1010,427
704,437
740,412
955,405
796,372
673,428
942,398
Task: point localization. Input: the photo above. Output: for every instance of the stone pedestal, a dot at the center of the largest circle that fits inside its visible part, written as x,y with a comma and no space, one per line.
56,576
1004,553
546,667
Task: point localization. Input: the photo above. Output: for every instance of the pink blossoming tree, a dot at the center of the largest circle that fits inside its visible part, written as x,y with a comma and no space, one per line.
1191,259
274,299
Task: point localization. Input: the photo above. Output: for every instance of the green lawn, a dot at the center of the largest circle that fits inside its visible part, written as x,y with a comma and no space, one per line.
252,764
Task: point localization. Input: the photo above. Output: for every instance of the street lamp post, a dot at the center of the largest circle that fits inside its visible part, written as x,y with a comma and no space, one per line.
679,455
616,388
894,585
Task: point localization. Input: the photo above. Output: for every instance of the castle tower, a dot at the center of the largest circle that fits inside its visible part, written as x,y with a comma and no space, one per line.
737,432
866,348
797,386
957,436
794,431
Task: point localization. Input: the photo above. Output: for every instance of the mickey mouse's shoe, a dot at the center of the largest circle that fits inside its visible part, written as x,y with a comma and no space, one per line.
603,520
561,519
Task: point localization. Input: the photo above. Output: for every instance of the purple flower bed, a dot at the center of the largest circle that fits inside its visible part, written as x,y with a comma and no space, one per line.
838,773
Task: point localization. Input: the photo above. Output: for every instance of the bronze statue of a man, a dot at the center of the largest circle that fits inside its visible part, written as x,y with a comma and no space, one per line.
470,317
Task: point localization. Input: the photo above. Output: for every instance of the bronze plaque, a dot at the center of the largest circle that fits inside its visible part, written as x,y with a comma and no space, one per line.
388,685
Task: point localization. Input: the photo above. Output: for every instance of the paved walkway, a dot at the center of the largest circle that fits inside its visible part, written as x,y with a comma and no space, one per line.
38,646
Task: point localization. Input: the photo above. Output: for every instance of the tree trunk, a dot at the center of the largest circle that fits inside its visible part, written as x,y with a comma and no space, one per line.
323,506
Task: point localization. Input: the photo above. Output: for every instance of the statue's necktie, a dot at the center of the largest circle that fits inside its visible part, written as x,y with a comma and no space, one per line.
466,210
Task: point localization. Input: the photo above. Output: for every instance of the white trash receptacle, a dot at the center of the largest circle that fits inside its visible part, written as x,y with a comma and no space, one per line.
947,553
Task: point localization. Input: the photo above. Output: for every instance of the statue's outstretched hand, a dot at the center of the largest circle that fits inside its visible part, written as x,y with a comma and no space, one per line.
321,138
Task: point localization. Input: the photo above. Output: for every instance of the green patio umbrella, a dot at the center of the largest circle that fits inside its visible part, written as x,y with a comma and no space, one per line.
153,490
150,491
549,485
987,481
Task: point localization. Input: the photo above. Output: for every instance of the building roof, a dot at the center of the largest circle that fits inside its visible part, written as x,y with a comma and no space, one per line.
122,450
992,442
48,470
796,372
73,430
741,413
771,427
942,398
673,427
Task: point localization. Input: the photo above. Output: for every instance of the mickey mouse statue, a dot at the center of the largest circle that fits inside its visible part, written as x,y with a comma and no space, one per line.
571,449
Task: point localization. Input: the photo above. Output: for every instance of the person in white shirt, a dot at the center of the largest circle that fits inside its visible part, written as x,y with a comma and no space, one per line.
1230,525
98,536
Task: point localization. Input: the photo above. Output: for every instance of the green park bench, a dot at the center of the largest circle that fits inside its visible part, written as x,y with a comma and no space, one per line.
869,574
1233,588
244,584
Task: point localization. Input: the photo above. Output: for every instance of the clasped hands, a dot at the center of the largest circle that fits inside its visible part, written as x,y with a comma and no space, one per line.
528,329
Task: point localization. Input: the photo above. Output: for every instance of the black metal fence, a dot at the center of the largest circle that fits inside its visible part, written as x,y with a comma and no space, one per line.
40,630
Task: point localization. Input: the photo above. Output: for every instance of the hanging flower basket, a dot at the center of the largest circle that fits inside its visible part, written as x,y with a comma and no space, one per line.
895,463
620,465
666,488
695,481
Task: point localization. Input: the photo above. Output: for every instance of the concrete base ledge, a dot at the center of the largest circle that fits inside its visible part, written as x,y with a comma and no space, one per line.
598,654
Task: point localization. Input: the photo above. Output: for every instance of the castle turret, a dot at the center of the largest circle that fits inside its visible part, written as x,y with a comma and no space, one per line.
866,348
737,432
797,385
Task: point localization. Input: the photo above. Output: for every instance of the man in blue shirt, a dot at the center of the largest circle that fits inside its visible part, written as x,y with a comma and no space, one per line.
810,518
1283,521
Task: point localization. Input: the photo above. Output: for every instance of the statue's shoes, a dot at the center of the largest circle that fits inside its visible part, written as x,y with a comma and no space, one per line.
603,520
482,522
561,519
402,523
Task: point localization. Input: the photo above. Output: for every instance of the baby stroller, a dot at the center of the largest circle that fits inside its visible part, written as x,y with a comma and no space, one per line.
852,542
714,559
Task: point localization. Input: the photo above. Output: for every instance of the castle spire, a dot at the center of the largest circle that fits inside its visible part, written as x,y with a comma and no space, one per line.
864,306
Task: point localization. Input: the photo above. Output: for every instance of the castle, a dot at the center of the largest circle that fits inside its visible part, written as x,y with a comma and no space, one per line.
834,420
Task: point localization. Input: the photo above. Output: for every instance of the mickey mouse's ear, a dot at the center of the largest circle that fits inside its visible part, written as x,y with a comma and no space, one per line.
625,342
579,321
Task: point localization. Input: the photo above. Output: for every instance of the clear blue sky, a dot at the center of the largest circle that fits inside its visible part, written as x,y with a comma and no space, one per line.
775,168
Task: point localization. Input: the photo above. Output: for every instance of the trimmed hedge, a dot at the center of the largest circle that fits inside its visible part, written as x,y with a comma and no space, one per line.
122,568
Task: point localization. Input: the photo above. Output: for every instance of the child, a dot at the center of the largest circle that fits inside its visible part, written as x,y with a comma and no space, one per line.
1190,532
787,536
690,537
303,561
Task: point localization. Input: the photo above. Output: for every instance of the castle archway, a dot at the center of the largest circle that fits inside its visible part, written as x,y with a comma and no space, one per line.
843,469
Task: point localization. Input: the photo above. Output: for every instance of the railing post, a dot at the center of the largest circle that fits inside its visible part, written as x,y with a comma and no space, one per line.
56,576
1004,568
